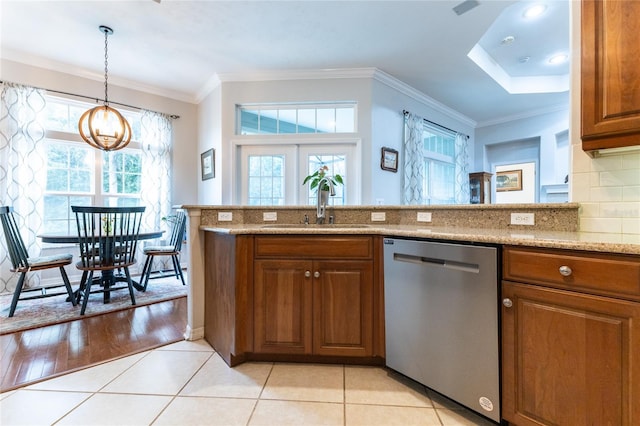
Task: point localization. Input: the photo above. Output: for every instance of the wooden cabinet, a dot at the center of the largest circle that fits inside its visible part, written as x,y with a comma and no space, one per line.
570,338
480,188
610,72
314,295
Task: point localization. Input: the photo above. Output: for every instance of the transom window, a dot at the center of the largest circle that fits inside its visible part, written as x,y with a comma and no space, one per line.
295,119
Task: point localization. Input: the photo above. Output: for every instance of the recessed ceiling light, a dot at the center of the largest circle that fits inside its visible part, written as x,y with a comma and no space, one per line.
558,59
524,59
507,40
534,11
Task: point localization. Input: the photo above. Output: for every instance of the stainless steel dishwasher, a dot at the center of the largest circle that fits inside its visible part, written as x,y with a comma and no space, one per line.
441,319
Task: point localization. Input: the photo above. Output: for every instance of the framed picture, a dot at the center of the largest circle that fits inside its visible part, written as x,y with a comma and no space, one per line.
389,160
509,180
207,164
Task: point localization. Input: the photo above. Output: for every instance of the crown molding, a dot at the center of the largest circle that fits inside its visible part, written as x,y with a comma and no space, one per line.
405,89
528,114
40,62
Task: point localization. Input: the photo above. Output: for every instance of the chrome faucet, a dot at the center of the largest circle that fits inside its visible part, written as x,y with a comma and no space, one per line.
321,207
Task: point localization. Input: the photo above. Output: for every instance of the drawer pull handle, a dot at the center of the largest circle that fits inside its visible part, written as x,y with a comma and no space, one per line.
565,271
307,274
507,302
316,274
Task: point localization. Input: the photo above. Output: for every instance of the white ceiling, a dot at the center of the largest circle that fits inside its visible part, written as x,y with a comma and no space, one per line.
177,48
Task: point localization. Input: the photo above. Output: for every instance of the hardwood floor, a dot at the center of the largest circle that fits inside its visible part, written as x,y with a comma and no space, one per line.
34,355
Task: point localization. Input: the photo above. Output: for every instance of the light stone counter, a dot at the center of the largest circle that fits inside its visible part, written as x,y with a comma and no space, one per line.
556,226
549,239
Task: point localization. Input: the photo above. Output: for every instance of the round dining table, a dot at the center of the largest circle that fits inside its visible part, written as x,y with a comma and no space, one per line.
73,239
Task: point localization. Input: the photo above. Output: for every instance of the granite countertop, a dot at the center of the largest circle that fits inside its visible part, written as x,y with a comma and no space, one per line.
535,238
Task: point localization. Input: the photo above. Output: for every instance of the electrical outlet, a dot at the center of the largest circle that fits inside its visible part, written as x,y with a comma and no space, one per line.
423,217
225,216
378,216
270,216
522,219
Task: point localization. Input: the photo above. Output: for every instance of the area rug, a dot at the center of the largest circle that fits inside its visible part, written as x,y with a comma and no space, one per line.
54,310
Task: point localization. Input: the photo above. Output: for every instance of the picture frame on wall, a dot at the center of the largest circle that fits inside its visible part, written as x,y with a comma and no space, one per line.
509,180
389,159
207,164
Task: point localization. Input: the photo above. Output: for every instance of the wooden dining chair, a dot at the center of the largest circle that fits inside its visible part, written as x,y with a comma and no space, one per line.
179,221
22,263
108,238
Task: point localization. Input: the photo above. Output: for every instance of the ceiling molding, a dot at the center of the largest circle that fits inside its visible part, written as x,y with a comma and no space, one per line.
40,62
405,89
321,74
528,114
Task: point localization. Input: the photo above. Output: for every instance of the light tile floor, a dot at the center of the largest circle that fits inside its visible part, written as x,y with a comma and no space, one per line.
187,383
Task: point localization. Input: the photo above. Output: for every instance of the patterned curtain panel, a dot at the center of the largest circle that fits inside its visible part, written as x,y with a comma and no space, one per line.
22,159
462,169
413,159
156,163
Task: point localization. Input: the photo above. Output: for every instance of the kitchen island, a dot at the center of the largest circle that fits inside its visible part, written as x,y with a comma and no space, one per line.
249,299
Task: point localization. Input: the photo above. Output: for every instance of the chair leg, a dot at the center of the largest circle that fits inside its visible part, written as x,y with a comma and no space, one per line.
83,284
146,272
130,283
86,293
16,294
67,284
177,268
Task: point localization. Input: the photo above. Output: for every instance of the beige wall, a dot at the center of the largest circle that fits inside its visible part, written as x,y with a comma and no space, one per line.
608,188
185,138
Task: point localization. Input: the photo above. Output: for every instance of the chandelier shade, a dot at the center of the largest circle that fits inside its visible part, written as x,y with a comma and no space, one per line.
104,127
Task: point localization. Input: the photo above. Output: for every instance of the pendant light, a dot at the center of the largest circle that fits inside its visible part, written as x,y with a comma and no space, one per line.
104,127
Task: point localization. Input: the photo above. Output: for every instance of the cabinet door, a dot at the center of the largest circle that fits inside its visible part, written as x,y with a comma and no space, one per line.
569,358
610,73
282,306
343,308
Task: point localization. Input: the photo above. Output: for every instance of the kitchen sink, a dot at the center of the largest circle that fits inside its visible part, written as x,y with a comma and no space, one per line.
313,226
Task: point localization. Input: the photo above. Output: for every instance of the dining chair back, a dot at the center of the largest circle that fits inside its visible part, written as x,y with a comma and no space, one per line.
22,263
179,222
108,239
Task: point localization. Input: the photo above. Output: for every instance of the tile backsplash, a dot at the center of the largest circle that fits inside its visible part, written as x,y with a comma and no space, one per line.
608,190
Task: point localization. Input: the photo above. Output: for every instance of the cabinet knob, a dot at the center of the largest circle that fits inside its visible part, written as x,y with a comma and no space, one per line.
565,271
316,274
507,302
307,274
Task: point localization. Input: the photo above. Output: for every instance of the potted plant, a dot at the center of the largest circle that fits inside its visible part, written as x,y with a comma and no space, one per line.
315,178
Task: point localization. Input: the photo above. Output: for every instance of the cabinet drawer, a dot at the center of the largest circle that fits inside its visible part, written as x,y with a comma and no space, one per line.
598,273
304,246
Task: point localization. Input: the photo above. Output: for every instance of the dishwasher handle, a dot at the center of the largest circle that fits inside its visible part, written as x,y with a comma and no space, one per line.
444,263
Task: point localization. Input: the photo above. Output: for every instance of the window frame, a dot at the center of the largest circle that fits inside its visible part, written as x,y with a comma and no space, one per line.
271,143
96,196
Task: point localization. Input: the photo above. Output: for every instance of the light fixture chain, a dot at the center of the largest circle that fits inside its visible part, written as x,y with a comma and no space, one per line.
106,67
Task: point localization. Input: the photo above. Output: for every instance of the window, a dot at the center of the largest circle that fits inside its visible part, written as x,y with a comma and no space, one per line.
77,174
272,174
266,180
287,119
440,167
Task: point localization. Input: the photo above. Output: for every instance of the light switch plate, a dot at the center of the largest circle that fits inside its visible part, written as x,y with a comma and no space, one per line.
523,219
225,216
423,217
270,216
378,216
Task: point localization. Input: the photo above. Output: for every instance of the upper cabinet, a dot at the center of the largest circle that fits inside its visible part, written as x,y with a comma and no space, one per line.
610,74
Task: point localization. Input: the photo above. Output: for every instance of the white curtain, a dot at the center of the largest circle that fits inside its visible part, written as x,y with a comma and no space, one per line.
156,164
413,159
462,169
22,159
